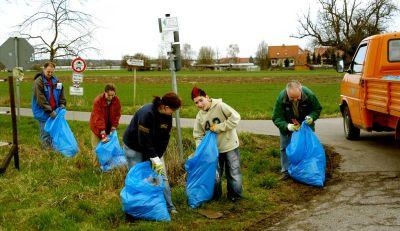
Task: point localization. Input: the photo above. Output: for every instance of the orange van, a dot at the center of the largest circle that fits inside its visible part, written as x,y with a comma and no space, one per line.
370,89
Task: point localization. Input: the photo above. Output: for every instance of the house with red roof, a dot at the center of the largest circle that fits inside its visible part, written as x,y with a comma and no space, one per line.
292,55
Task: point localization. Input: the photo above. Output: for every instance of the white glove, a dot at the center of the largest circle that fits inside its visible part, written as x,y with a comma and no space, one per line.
293,127
309,120
157,165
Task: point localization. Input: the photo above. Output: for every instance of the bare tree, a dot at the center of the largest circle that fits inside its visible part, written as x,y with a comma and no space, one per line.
206,55
262,56
187,55
233,51
344,23
59,30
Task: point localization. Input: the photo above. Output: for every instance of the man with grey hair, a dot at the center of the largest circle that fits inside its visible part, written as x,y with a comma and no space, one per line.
295,104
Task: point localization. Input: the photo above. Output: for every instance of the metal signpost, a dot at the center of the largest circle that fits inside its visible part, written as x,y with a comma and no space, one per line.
135,63
169,30
18,74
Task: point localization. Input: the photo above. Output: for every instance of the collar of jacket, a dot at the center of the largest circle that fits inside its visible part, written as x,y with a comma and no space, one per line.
104,99
47,81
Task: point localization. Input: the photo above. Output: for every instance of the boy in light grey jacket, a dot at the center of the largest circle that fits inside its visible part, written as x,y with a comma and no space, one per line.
222,119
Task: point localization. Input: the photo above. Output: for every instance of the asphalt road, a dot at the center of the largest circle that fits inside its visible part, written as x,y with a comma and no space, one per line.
364,195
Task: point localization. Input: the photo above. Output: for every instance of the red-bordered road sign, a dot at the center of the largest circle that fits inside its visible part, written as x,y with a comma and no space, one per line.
78,65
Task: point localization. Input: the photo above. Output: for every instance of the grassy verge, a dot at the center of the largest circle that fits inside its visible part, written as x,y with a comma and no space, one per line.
52,192
252,94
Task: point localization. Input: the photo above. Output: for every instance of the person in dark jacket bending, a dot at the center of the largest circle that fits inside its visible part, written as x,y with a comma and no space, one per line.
294,104
147,136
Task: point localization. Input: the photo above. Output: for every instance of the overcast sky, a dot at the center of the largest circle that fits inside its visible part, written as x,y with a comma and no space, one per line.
127,27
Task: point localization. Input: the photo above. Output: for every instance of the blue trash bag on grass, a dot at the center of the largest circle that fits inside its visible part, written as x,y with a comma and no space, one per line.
63,139
110,154
142,196
306,155
201,170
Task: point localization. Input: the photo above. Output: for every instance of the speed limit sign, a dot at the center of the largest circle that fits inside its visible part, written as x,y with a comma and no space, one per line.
78,65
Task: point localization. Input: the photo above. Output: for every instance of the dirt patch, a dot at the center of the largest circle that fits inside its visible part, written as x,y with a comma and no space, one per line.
301,195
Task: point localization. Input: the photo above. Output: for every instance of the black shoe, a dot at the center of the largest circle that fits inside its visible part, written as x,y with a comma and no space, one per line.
235,198
129,218
284,176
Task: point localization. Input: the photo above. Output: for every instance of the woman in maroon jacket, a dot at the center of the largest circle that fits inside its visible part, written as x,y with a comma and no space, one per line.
105,115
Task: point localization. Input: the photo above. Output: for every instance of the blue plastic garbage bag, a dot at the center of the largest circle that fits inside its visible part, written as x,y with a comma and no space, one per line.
307,161
110,154
201,170
61,134
142,196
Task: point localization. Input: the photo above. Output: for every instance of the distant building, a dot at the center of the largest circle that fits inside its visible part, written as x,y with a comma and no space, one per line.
230,64
293,55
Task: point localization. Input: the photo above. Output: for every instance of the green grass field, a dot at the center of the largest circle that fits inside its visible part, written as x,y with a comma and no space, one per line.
252,94
52,192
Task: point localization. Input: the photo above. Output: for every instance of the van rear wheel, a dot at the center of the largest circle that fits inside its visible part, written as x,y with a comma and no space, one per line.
350,131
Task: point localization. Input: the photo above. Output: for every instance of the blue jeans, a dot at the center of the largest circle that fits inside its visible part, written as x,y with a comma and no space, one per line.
231,162
133,157
45,137
285,141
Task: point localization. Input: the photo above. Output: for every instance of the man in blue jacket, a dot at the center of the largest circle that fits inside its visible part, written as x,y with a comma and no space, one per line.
294,104
48,95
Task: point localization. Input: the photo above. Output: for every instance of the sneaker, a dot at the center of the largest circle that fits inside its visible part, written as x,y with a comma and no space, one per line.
284,176
173,211
235,199
129,218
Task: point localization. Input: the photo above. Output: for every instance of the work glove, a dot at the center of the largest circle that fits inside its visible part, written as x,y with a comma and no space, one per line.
293,127
213,127
53,114
309,120
157,165
103,137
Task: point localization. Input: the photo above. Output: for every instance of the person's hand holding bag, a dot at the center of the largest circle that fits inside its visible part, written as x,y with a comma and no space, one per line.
157,165
309,120
293,127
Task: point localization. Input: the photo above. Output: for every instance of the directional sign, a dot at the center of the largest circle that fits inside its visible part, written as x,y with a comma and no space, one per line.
76,90
169,24
78,65
135,62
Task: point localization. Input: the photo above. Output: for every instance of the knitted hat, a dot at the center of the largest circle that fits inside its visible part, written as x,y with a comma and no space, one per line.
197,92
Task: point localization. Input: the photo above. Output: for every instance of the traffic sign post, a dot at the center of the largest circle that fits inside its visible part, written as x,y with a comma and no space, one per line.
169,30
18,74
135,63
78,66
17,54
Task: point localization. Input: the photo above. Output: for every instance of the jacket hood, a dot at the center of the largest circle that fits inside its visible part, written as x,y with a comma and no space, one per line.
214,102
